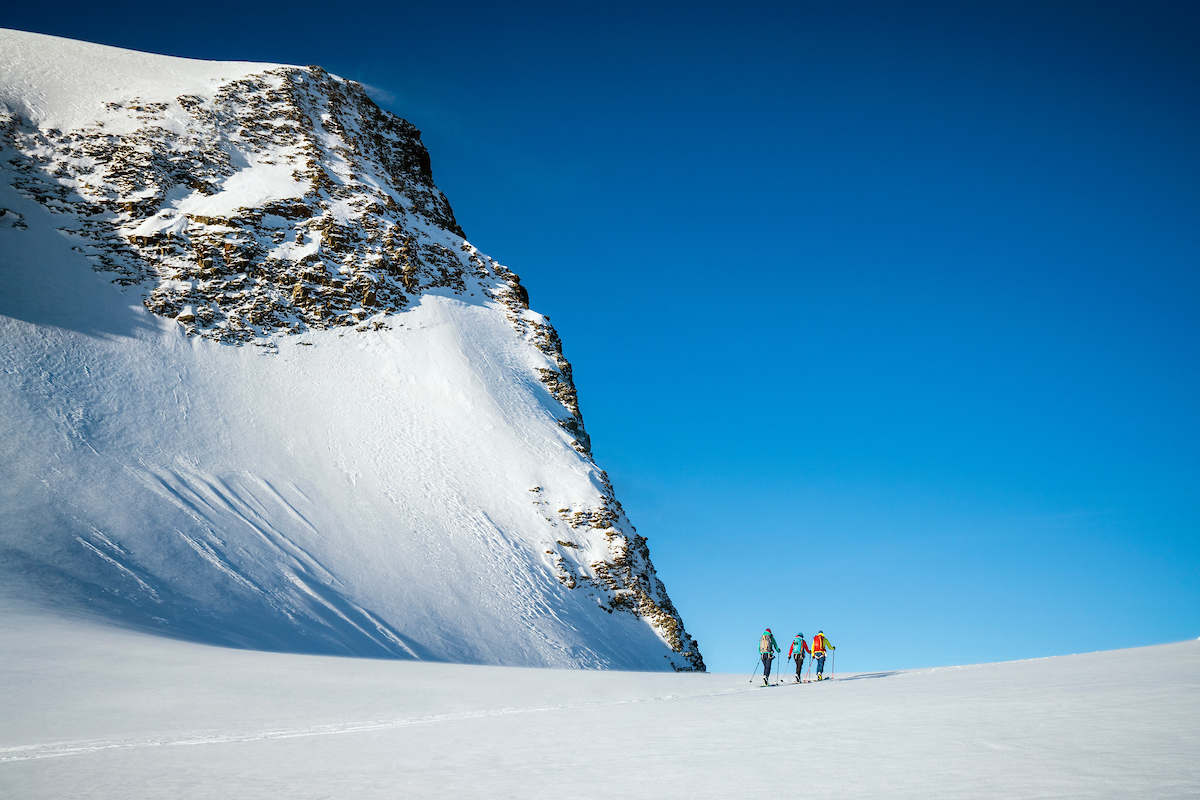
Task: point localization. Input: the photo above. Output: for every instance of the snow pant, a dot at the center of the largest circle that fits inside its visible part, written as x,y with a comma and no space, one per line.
799,666
767,659
820,659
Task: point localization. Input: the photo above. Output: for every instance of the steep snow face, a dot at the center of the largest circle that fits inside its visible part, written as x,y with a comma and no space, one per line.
257,388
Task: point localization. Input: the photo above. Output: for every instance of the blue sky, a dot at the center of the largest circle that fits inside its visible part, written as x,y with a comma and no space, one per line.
884,316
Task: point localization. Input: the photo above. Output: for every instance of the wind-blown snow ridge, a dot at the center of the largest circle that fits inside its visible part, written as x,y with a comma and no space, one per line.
417,484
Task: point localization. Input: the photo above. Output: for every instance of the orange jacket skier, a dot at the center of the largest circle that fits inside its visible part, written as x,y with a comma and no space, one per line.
820,644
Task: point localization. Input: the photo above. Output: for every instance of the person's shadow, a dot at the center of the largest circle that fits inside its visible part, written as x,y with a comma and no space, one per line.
865,675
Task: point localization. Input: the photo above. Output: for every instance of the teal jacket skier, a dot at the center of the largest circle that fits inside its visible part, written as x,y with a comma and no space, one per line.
797,650
767,648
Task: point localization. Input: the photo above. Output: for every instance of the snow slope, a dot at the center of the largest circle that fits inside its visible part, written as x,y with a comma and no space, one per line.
59,83
256,389
88,712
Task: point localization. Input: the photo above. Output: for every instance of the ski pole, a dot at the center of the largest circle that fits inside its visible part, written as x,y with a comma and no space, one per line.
757,666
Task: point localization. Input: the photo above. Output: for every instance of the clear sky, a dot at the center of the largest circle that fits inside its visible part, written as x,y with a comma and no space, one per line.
884,316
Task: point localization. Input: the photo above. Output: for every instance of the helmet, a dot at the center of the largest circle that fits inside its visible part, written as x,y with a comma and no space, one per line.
799,635
768,630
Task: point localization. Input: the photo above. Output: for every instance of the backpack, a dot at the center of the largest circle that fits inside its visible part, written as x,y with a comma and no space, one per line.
764,644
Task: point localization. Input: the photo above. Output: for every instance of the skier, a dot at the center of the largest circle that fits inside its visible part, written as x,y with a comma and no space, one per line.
820,644
797,650
767,648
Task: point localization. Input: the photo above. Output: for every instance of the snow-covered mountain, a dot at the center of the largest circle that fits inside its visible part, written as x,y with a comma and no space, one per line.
258,389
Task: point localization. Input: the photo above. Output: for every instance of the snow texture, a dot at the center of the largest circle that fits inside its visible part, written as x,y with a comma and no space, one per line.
87,712
285,404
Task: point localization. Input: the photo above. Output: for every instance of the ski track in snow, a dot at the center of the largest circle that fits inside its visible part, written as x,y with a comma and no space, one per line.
35,752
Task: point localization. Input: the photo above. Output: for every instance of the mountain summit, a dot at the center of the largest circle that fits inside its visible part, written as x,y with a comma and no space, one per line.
258,389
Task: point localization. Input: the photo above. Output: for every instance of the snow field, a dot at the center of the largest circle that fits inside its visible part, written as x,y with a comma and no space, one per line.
96,712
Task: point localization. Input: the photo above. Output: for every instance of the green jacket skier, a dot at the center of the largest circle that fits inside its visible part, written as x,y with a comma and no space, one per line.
767,648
